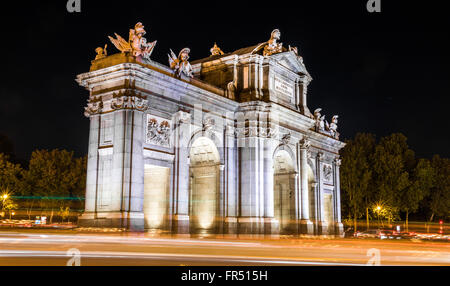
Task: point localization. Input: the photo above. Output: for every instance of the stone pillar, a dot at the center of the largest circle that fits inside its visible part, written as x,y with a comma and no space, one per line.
92,165
303,86
182,134
339,230
128,166
270,223
322,225
251,156
306,226
90,212
230,180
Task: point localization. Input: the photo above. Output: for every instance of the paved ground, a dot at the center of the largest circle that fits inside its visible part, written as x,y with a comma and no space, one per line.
51,248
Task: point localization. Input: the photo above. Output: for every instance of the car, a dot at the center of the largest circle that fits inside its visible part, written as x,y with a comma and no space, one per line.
376,233
349,232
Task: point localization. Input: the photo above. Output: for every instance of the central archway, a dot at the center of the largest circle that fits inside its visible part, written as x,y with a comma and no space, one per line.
284,191
204,176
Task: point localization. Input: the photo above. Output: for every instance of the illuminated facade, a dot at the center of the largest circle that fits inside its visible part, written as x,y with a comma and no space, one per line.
229,148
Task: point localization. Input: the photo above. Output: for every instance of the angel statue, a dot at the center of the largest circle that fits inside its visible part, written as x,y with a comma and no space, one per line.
180,64
136,44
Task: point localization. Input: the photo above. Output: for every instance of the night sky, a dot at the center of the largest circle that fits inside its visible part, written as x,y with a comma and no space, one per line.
381,72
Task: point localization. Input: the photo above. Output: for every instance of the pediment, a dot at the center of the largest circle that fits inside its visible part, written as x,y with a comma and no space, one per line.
292,62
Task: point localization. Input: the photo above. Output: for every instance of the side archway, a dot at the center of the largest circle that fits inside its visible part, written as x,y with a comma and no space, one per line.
204,184
284,189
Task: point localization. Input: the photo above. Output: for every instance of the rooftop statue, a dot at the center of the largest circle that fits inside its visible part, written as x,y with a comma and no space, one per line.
216,51
320,120
271,46
180,64
136,44
101,52
333,127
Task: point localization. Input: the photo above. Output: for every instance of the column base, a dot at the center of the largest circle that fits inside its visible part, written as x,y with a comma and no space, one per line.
323,228
180,224
250,225
339,229
133,221
271,226
230,225
306,227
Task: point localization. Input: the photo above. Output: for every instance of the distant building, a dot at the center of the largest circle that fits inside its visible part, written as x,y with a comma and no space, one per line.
224,144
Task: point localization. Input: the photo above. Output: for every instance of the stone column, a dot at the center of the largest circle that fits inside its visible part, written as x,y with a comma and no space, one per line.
337,201
128,166
322,225
251,154
90,213
180,193
270,224
230,182
306,226
302,96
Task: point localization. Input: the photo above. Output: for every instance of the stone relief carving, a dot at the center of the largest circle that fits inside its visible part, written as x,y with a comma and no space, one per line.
322,126
180,64
129,99
327,173
95,106
216,51
136,44
158,132
305,143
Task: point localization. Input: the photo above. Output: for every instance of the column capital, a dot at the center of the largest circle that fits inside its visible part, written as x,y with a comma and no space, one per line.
320,156
305,143
182,117
337,161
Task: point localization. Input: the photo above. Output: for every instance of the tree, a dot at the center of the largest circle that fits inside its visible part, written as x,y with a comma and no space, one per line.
10,174
420,183
356,174
439,199
52,174
391,161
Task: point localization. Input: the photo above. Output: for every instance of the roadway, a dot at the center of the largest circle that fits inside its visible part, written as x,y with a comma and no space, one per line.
52,248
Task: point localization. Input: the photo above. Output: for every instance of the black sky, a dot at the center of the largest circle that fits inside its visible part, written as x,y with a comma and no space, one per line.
381,72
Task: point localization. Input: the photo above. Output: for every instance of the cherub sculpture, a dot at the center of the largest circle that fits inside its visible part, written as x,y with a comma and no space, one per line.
101,52
136,44
180,64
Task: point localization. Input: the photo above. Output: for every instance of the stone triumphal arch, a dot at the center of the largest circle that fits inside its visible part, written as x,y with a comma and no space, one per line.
221,145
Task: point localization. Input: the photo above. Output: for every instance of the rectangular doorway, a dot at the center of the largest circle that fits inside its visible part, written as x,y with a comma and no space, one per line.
156,196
